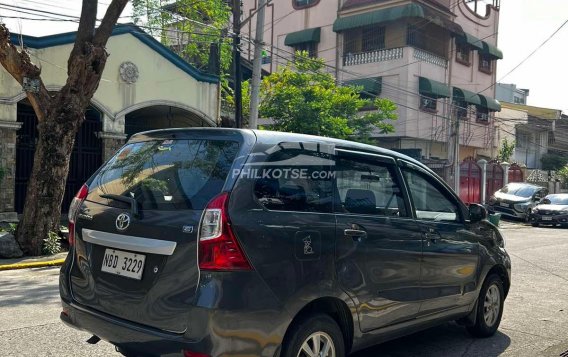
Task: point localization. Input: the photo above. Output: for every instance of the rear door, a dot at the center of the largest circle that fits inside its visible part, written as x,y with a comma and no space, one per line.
379,245
136,247
450,250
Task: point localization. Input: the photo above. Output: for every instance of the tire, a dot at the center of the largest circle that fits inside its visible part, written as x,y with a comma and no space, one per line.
306,332
534,224
528,216
489,308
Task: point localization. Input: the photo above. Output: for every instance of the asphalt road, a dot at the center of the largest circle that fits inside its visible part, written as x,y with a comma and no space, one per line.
535,321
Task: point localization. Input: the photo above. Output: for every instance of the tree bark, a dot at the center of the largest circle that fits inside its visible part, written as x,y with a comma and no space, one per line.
59,118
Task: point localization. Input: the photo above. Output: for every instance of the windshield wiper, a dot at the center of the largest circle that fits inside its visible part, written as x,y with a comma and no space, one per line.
129,200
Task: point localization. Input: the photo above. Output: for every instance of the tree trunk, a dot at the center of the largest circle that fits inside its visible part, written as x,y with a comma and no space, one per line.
59,118
46,186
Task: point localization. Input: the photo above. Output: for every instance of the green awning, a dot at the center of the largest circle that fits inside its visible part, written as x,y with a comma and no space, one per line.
466,96
307,35
371,86
492,50
395,13
470,40
433,89
491,104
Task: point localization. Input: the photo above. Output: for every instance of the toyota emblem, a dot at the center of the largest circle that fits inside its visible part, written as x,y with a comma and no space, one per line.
122,221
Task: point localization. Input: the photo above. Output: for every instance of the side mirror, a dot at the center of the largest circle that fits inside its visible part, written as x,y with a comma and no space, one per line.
477,212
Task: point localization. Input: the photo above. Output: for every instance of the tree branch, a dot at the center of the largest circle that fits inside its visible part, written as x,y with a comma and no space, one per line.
109,20
86,29
20,66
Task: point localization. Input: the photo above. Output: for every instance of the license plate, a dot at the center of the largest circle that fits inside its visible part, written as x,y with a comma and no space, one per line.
546,218
504,204
118,262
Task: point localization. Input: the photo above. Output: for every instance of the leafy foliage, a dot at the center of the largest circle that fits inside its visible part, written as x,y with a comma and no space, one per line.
52,244
506,150
11,229
189,27
563,173
552,161
303,98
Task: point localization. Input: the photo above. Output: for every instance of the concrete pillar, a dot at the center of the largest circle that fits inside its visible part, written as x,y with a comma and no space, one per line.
505,165
483,164
111,143
8,166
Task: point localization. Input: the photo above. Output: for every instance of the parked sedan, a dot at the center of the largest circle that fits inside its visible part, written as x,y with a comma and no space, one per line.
517,199
553,209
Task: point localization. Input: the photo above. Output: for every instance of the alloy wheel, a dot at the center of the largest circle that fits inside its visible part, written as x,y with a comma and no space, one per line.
318,344
492,305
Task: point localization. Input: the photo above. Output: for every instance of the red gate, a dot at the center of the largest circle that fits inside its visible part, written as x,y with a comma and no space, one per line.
470,181
494,178
515,173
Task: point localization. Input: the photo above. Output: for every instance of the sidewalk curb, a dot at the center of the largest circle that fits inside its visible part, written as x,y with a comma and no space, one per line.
49,263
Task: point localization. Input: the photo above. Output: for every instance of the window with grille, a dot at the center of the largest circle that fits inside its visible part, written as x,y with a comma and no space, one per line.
415,37
350,42
482,115
485,63
372,38
310,47
461,109
428,104
463,52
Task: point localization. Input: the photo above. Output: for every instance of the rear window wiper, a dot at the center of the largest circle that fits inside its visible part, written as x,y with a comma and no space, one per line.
129,200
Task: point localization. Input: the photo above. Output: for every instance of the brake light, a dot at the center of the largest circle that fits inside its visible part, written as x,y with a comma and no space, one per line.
74,210
218,246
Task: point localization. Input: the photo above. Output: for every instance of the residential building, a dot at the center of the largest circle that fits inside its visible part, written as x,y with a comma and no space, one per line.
506,123
534,138
511,94
436,59
144,86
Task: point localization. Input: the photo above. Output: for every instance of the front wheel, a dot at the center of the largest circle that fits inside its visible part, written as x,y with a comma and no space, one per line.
489,308
318,335
528,216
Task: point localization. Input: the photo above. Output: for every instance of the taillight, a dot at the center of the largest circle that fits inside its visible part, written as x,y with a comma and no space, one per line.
218,246
74,210
187,353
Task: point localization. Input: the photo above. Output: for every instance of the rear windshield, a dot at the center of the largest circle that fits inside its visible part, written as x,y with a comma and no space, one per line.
165,174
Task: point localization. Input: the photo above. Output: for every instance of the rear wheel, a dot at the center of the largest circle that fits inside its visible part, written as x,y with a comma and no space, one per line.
528,215
318,335
489,308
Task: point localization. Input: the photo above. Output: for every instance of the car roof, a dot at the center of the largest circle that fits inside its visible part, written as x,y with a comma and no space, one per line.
267,136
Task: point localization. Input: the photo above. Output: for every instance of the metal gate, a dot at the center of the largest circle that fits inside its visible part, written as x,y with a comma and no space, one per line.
515,173
494,178
470,181
85,158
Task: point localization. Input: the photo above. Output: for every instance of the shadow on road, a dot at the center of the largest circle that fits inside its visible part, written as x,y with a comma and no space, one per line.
445,340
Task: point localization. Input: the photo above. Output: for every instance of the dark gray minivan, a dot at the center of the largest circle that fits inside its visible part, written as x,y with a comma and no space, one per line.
226,242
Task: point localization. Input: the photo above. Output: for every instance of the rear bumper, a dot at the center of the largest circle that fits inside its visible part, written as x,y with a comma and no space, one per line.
129,336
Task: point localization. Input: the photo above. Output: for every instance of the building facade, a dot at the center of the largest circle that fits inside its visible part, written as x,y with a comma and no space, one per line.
436,59
511,94
144,86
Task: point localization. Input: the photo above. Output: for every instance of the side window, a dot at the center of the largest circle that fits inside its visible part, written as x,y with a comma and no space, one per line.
307,186
369,187
430,200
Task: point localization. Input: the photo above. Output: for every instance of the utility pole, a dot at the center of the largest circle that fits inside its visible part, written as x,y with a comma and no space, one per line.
237,63
257,65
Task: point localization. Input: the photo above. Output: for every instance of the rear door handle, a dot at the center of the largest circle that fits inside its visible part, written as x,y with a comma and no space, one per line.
355,234
431,236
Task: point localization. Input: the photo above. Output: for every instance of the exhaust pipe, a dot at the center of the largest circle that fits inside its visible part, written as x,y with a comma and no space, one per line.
93,340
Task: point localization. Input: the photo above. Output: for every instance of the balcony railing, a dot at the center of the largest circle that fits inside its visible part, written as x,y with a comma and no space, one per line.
353,59
430,58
